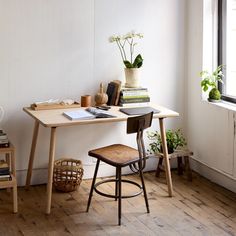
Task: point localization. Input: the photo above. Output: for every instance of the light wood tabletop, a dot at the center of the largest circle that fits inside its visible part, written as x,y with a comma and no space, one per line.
54,119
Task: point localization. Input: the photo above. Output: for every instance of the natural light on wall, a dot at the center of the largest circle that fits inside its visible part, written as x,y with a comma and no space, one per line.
209,59
230,85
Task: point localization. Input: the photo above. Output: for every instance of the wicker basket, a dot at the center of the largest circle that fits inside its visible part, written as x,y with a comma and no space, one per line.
67,174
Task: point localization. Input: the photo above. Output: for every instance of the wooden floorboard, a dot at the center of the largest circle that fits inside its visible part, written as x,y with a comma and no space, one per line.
197,208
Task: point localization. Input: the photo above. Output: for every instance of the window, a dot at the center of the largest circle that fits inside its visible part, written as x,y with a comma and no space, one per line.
227,47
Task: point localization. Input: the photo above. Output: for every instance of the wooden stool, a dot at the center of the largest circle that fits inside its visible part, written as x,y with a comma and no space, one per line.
10,159
119,156
177,154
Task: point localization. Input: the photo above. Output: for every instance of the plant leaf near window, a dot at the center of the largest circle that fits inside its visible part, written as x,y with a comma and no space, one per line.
210,80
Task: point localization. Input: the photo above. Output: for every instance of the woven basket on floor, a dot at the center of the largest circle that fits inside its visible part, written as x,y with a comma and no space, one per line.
67,174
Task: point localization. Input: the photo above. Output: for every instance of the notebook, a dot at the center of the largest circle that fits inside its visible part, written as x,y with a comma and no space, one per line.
138,110
78,115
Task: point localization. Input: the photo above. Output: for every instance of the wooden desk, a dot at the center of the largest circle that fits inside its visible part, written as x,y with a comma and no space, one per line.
54,119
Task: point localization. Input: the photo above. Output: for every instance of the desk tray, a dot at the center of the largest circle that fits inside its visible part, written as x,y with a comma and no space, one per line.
38,107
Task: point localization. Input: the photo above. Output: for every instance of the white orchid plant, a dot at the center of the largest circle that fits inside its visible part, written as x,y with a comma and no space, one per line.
126,43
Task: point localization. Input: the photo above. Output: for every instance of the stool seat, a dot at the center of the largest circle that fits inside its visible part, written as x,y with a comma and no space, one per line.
116,155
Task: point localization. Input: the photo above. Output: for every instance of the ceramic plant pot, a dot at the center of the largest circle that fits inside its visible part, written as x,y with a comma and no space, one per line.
132,77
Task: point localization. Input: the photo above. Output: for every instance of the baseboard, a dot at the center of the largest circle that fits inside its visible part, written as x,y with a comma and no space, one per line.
214,175
39,176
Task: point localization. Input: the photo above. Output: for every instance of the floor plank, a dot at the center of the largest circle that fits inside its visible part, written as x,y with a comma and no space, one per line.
199,208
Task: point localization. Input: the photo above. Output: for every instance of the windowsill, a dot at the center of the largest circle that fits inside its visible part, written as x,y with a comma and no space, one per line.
227,105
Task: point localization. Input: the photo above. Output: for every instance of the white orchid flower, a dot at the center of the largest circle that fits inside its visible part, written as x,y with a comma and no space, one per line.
126,43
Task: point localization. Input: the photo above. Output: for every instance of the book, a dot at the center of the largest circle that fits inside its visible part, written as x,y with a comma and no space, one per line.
133,89
89,113
4,171
4,145
113,91
134,92
134,100
134,96
80,114
135,104
110,92
4,141
3,136
5,176
118,82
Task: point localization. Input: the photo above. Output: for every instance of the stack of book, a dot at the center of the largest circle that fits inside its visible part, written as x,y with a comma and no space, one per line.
134,97
4,142
4,171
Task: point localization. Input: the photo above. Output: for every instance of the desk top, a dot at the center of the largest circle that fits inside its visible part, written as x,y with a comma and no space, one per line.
55,117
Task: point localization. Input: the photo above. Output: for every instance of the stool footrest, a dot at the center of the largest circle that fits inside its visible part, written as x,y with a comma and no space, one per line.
116,196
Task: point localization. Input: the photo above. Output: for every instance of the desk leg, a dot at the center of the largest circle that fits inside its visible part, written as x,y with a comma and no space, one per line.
32,152
165,156
50,168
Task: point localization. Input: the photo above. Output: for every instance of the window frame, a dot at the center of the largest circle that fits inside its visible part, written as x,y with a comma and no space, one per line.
221,49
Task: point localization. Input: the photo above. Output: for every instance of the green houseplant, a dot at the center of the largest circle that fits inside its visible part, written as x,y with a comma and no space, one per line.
126,45
210,80
174,140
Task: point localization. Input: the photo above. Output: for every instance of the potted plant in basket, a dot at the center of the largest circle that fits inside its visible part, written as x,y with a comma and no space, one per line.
174,140
211,81
126,45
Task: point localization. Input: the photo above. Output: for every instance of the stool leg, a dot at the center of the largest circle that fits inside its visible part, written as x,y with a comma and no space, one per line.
93,183
116,190
119,195
158,171
188,169
180,166
144,190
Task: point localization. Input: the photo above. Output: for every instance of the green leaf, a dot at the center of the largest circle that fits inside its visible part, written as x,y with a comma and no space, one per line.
204,73
128,64
203,82
211,80
205,88
138,61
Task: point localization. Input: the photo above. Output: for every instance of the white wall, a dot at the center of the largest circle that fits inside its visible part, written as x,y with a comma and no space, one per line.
59,49
209,127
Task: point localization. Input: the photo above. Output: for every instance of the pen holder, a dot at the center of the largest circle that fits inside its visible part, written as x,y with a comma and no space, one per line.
86,101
